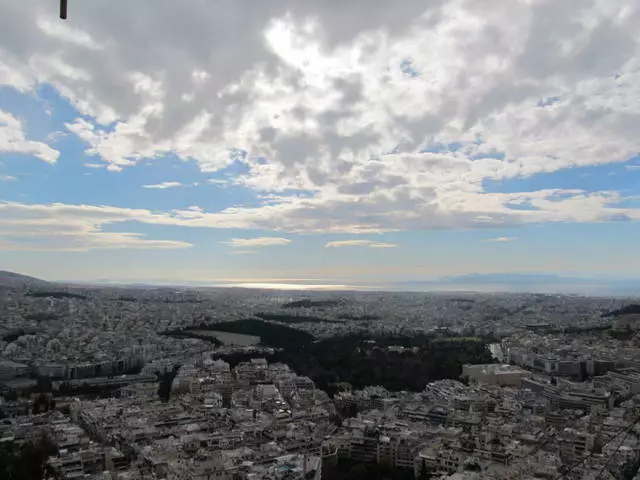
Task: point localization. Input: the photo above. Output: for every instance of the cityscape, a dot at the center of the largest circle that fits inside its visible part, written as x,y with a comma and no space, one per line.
116,382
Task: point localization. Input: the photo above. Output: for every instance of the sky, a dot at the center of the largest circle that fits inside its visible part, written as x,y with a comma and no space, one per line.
319,141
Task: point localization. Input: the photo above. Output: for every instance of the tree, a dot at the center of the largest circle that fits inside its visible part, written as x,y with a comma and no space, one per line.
25,461
42,404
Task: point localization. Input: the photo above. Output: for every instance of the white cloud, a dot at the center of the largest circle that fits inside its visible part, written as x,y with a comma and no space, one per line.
242,252
164,185
86,242
359,243
12,140
54,136
502,239
348,243
95,165
65,33
7,178
256,242
383,245
84,223
314,96
632,167
59,227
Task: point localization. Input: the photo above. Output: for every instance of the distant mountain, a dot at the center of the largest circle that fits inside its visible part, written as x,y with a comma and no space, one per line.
513,278
16,280
527,282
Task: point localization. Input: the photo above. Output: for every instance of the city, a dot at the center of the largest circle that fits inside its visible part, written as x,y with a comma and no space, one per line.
135,383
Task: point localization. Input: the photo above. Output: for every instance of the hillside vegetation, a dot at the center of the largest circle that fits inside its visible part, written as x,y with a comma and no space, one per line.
364,359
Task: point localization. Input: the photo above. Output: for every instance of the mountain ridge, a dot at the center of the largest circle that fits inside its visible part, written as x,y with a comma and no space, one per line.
13,279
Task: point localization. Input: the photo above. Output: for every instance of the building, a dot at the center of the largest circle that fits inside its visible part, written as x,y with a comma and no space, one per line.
9,370
494,374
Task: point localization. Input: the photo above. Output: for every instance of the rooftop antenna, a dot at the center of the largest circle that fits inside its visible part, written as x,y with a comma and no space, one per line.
63,9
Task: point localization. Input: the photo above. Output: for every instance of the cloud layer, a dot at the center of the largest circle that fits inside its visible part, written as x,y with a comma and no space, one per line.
386,115
72,228
77,227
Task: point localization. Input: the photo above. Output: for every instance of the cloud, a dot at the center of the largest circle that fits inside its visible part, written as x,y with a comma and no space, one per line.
95,165
359,243
361,117
84,223
502,239
348,243
59,227
53,137
164,185
242,252
256,242
85,242
12,140
383,245
63,32
7,178
632,167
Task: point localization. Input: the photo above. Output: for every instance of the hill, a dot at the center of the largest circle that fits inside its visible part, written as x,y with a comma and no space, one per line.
16,280
360,359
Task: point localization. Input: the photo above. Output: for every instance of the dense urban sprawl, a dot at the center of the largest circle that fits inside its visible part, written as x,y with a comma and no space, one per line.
166,383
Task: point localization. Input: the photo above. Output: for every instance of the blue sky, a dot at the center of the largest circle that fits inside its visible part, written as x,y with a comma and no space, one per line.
116,160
